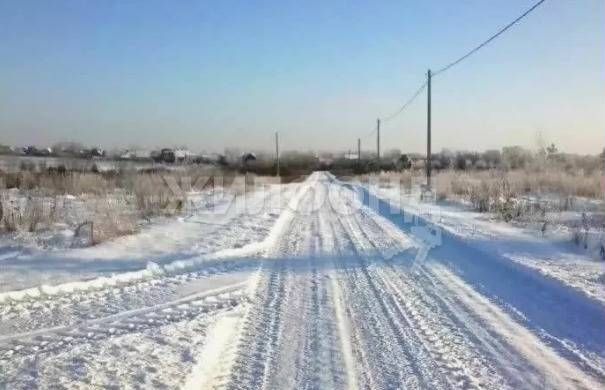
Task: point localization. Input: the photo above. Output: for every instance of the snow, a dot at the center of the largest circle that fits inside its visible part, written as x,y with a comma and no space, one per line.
224,222
328,287
208,372
552,255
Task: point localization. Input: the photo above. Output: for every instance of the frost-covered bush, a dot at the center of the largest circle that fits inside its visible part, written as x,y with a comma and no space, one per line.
155,196
25,213
519,194
51,204
113,217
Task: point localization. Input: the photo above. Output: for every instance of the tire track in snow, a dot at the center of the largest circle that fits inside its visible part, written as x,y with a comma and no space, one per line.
52,339
290,340
70,309
519,362
323,361
445,343
71,302
214,357
554,369
562,318
259,334
395,355
399,328
342,334
328,311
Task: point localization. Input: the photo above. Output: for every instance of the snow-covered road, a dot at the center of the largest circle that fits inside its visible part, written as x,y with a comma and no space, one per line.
333,296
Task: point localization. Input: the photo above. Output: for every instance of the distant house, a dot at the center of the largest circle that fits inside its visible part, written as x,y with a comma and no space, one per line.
136,155
182,155
127,155
170,156
34,151
167,155
97,152
92,153
417,161
248,157
204,158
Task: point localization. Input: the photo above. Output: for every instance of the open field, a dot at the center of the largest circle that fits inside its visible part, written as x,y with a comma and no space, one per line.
57,206
322,284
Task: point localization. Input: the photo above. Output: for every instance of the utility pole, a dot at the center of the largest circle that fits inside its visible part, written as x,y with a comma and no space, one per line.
428,132
378,142
359,151
277,152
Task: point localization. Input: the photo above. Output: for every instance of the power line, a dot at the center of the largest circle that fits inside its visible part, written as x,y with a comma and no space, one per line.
485,43
406,104
428,84
456,62
368,135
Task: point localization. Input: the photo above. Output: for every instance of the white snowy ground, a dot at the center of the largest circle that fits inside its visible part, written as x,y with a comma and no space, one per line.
552,255
329,292
213,221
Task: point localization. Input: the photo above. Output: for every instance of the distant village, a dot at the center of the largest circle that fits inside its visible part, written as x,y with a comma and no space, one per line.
98,159
247,159
75,150
509,157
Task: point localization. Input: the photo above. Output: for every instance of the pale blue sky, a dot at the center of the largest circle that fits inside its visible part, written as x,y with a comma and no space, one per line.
230,73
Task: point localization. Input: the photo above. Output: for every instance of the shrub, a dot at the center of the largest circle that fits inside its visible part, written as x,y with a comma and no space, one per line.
25,215
154,196
506,193
110,222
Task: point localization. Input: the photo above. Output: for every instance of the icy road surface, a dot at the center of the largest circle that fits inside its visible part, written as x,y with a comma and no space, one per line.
341,292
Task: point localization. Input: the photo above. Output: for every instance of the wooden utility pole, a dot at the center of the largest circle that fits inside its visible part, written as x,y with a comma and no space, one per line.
428,132
359,151
378,142
277,153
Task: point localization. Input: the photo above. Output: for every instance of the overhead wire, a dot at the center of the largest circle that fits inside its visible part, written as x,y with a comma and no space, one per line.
486,42
406,104
459,60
